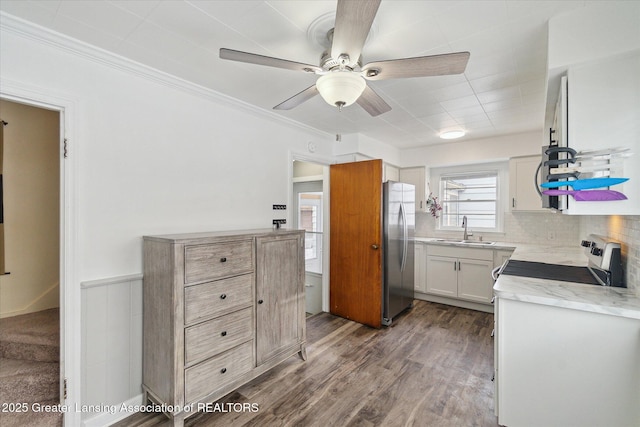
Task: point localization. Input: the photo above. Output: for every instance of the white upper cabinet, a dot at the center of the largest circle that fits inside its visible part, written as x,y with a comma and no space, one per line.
604,112
417,177
598,49
523,196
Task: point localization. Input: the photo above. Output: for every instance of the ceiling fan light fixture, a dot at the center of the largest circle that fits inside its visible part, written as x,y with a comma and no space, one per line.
452,134
341,88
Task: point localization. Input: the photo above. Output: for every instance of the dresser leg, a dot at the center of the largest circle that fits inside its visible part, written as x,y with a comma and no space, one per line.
303,353
178,420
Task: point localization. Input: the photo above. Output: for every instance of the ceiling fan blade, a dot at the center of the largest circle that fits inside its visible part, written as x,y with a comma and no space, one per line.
372,102
353,22
253,58
421,66
298,99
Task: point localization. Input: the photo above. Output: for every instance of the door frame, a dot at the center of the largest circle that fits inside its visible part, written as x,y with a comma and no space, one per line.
295,208
70,299
325,162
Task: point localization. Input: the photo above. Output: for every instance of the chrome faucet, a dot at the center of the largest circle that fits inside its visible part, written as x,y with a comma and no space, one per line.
464,225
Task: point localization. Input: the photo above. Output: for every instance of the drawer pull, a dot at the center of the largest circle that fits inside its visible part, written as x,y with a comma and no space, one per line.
223,370
223,259
223,333
260,301
223,296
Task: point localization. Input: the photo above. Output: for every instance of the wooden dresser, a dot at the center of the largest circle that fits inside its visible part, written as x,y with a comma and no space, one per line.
220,309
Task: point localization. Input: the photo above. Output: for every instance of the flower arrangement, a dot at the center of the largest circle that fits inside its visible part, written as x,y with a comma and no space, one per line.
433,205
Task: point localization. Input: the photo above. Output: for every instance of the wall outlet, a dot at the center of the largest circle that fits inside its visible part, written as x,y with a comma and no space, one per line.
279,207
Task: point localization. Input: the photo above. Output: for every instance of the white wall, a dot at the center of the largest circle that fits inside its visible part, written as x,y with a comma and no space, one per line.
31,209
156,159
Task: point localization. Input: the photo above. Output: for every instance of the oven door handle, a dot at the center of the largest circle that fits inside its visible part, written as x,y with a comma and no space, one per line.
496,271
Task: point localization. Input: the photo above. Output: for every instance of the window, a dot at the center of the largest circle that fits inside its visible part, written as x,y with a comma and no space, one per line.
472,191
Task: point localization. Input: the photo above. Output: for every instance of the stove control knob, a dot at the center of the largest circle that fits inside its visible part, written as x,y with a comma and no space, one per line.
586,243
596,251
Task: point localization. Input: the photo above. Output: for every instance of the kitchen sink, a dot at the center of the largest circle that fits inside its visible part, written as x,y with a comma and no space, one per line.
465,242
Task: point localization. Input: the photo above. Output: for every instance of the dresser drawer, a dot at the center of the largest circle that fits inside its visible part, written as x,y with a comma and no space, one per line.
215,336
210,375
212,299
215,261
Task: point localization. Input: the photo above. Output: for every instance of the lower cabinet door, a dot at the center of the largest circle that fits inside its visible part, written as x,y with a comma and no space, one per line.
279,295
474,280
442,275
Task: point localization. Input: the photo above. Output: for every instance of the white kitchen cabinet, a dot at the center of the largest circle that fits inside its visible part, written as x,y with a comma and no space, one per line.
603,113
463,273
442,275
523,196
417,177
390,173
420,282
566,367
500,256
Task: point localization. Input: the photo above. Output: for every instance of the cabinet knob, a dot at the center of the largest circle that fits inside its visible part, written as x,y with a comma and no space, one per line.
260,301
223,370
223,333
374,246
223,296
223,259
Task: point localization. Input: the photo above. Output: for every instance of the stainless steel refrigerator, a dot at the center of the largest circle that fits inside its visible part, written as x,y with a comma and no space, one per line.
399,213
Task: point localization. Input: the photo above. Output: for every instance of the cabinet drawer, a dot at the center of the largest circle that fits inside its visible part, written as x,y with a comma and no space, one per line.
215,261
210,375
212,299
215,336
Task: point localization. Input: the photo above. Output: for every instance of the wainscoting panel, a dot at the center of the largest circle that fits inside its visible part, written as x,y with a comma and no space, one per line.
111,342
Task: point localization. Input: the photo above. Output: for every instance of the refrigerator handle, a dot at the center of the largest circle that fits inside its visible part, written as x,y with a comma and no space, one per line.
405,237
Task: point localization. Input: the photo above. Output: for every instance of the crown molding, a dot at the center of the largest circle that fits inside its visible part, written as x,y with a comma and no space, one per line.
38,33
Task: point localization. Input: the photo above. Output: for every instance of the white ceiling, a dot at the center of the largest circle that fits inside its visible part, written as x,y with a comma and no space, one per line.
501,92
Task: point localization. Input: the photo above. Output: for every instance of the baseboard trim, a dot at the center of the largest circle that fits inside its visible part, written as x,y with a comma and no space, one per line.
455,302
50,298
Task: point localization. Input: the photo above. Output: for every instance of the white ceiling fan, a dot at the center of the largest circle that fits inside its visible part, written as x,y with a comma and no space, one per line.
342,77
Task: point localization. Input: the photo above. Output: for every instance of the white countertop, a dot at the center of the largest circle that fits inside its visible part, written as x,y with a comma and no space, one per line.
621,302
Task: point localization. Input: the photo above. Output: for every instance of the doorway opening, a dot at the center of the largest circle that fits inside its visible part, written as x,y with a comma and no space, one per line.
30,283
309,215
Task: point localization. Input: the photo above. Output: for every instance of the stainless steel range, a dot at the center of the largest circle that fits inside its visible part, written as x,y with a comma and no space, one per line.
604,268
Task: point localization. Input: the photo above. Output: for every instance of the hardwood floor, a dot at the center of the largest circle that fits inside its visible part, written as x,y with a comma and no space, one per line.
431,367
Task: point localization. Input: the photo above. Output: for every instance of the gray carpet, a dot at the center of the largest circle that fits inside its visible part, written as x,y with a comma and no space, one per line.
30,368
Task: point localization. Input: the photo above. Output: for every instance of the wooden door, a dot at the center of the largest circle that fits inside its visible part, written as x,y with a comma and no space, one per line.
355,281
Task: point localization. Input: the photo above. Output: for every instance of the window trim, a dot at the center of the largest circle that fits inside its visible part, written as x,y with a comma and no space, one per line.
502,169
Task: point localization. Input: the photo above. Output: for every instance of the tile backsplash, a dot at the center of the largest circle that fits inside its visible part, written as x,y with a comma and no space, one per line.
625,229
523,227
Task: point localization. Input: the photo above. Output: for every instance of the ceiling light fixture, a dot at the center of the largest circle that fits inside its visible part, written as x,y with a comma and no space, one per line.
341,88
452,134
